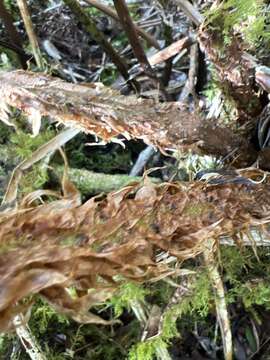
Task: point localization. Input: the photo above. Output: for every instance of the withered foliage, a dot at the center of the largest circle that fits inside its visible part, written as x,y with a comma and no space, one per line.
76,255
102,111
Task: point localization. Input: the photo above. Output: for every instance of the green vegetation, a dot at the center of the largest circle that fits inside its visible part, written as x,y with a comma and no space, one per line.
246,17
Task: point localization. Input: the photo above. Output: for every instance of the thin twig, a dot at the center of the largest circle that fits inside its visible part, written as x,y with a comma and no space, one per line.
30,32
189,87
221,307
190,11
110,12
128,25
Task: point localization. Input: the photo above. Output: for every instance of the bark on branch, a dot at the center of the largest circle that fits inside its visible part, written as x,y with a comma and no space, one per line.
102,111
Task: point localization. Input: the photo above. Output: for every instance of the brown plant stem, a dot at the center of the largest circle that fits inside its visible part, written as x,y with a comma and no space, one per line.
110,12
128,25
98,36
190,85
30,32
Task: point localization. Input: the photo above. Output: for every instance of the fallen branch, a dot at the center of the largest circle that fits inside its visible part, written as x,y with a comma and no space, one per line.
92,183
105,113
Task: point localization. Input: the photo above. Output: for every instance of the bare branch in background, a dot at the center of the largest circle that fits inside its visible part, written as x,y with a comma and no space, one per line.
170,50
30,32
190,11
110,12
142,160
190,85
13,34
98,36
131,31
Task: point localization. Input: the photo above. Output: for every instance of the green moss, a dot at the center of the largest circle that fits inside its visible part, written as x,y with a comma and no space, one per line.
147,350
196,306
44,316
33,179
24,144
128,293
247,17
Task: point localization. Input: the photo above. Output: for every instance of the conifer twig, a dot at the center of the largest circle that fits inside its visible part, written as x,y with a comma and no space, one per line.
30,32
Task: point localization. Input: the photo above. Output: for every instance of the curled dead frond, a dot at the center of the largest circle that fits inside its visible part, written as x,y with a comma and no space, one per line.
53,247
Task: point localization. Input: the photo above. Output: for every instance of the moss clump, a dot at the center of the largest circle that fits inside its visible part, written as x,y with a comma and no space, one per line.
246,17
128,293
23,144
